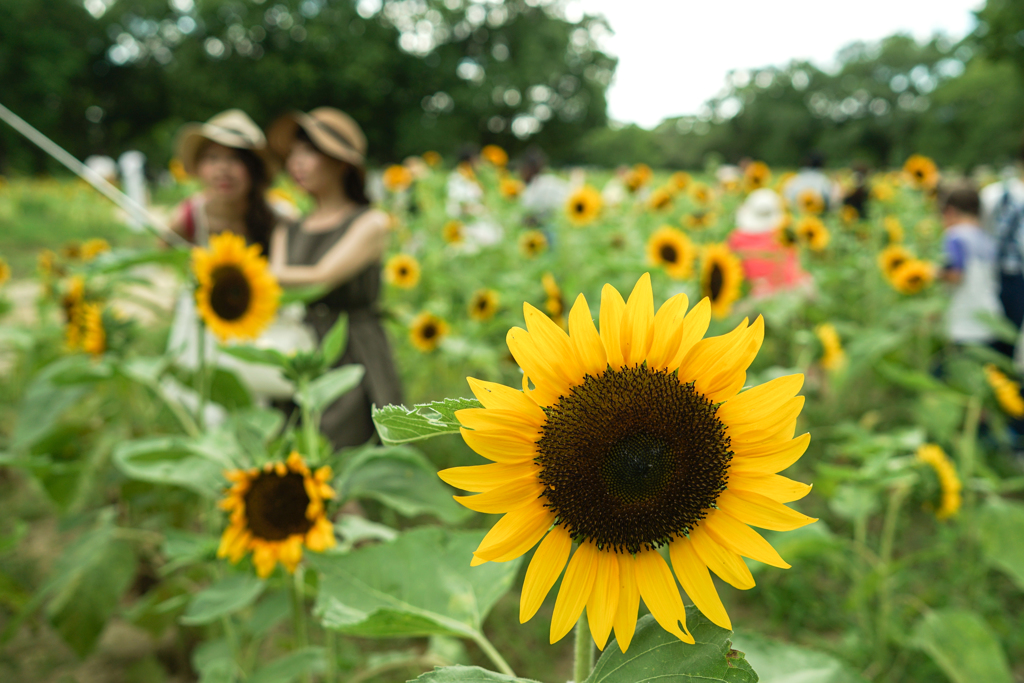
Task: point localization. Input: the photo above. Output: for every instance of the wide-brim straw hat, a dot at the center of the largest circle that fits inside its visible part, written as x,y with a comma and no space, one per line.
232,128
761,212
332,131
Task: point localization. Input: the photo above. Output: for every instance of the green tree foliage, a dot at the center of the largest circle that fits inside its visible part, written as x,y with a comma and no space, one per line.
1000,31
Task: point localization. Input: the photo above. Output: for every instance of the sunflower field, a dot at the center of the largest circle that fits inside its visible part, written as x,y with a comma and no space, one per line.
160,522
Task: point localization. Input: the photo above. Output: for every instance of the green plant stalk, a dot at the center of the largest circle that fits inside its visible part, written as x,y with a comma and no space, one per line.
331,652
298,590
968,442
201,378
492,653
231,635
583,662
892,513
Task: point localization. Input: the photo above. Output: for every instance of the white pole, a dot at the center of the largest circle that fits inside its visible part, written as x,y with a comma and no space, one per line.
157,226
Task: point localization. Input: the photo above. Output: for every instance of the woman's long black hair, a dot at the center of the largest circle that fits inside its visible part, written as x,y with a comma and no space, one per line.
353,178
260,219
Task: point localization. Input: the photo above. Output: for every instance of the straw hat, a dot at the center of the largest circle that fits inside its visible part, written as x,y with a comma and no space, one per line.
761,212
231,128
332,131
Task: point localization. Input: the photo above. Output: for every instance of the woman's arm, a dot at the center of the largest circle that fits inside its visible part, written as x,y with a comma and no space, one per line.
363,244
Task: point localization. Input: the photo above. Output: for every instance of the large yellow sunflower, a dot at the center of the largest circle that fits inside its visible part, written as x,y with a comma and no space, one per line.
756,175
403,270
721,276
891,258
426,331
237,296
483,305
672,250
813,233
633,438
532,243
949,481
922,171
274,512
584,206
912,276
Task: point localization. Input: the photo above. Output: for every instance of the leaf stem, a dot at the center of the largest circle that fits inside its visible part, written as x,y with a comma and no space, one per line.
896,498
201,375
299,613
492,653
583,662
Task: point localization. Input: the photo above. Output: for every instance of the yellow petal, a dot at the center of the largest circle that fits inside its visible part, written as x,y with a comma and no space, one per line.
629,602
729,566
604,599
519,531
585,340
760,402
637,323
500,397
575,591
500,445
489,418
774,486
717,365
551,340
761,511
733,534
696,581
695,326
660,594
547,563
480,478
505,498
537,364
668,332
768,458
612,308
264,557
767,429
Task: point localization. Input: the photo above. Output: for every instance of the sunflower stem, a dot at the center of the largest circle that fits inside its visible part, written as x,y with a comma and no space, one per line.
201,375
584,659
331,650
892,514
299,613
492,653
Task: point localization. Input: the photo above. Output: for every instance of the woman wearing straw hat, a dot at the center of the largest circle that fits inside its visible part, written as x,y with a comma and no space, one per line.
338,245
229,156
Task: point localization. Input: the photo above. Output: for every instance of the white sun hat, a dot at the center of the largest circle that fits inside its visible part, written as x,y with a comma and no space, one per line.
761,212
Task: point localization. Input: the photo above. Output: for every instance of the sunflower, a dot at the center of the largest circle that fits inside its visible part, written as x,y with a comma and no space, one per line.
679,181
397,178
403,270
1006,390
786,236
494,155
426,331
93,336
912,276
833,356
46,262
637,177
893,230
432,158
812,232
783,180
555,304
701,193
698,220
810,201
584,206
532,243
237,296
452,233
892,258
275,510
177,170
849,214
483,305
93,248
721,275
949,481
632,439
673,250
510,188
5,271
660,199
922,172
883,191
756,175
73,297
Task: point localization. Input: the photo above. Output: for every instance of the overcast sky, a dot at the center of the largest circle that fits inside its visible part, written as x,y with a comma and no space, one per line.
674,54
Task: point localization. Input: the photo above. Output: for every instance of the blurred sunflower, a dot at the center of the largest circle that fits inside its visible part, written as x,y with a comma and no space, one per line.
700,193
494,155
71,250
396,178
46,263
510,188
756,175
912,276
452,233
634,439
786,236
893,230
93,336
465,169
780,184
72,298
5,271
637,177
949,481
555,304
812,232
660,199
426,331
584,206
883,191
432,158
721,276
177,170
922,172
237,296
893,257
679,181
698,220
483,305
1006,390
673,250
833,356
849,214
810,201
275,511
93,248
532,243
403,270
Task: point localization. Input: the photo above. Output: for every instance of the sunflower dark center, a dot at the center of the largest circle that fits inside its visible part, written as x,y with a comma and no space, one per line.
230,294
580,207
481,304
429,331
668,253
632,459
715,282
275,506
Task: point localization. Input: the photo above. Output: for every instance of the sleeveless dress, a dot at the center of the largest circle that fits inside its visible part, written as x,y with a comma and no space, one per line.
347,421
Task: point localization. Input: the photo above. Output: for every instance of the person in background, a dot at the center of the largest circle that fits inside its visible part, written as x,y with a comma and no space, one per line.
1001,199
812,178
769,266
545,193
970,268
338,245
859,195
229,156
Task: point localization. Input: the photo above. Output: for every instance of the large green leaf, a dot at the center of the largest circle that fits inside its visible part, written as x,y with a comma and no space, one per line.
291,666
963,646
326,388
656,655
1001,525
334,341
227,596
253,354
467,674
403,479
45,403
177,461
777,662
421,584
120,260
398,424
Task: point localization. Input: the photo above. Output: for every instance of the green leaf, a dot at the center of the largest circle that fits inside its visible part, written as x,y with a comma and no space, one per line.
291,666
467,674
120,260
656,655
398,424
326,388
302,294
253,354
214,662
401,478
355,529
777,662
1001,526
334,341
45,403
419,585
963,646
225,597
912,379
177,461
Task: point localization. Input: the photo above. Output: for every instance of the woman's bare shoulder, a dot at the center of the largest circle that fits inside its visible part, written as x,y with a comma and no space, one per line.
374,220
